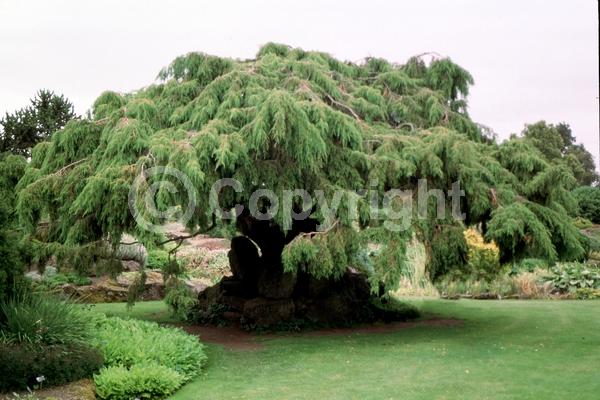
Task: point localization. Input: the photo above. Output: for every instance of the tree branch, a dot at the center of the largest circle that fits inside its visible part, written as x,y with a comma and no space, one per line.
66,167
344,107
314,233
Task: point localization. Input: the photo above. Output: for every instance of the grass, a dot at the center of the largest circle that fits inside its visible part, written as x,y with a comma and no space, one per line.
504,350
156,311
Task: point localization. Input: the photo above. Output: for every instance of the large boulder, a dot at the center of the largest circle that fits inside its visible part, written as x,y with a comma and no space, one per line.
104,290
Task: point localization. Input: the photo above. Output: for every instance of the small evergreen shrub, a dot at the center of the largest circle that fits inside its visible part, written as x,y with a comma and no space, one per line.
145,381
22,364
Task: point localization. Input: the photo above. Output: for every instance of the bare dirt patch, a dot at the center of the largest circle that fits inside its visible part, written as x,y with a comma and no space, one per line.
230,337
235,338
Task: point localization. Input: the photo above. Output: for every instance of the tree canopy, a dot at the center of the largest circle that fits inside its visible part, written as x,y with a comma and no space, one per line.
12,168
300,119
588,199
557,144
22,130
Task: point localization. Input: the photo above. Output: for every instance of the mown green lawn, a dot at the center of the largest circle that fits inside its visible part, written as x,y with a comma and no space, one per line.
504,350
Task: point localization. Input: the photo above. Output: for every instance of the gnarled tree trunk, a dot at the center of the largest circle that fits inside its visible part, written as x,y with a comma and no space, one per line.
260,294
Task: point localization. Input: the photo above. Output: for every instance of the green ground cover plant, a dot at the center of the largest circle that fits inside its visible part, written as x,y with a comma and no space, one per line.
143,359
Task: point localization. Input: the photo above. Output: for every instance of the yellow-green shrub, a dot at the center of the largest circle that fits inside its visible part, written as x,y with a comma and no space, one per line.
483,258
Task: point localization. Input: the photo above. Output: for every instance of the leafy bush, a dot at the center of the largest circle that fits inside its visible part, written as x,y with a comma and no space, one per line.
483,259
568,277
144,359
22,364
35,318
146,381
133,342
180,298
157,259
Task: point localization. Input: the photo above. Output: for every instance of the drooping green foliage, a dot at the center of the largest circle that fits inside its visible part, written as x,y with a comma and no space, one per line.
23,129
292,119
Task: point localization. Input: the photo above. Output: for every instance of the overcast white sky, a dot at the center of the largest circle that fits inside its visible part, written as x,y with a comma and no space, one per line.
531,60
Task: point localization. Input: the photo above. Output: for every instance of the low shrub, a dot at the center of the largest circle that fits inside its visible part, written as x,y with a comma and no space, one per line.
131,342
24,366
144,359
157,259
568,277
147,381
36,318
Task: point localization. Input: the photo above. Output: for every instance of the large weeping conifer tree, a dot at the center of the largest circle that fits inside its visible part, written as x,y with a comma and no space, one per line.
293,119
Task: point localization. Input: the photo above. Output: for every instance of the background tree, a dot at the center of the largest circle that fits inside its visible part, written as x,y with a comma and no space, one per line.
588,199
24,128
297,119
12,168
557,143
582,164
